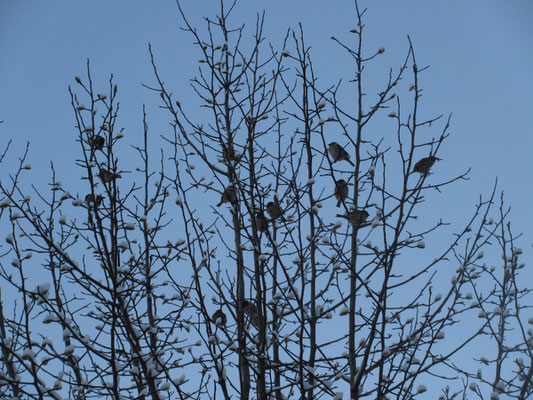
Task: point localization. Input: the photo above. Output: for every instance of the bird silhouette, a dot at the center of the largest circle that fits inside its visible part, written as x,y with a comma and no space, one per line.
229,196
107,176
91,202
219,318
424,165
341,191
230,155
251,311
97,142
261,221
337,153
274,210
355,217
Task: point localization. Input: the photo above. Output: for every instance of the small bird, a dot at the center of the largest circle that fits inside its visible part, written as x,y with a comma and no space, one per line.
230,156
229,196
337,152
274,210
89,199
261,221
251,310
107,176
341,191
97,142
355,217
424,165
219,318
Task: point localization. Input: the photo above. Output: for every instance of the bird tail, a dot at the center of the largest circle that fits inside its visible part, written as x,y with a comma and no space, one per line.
219,204
350,161
338,203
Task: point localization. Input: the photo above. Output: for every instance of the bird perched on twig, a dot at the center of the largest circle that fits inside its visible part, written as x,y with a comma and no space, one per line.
261,221
355,217
91,202
251,311
97,142
107,176
341,191
274,210
424,165
337,153
219,318
229,196
230,156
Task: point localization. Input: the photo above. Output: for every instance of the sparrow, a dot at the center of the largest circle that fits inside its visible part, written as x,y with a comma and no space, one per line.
424,165
261,221
89,199
274,210
337,152
229,196
230,155
355,217
251,311
341,191
107,176
97,142
219,318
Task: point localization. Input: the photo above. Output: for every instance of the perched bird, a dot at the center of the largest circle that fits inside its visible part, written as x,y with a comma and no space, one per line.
219,318
230,156
107,176
337,153
251,311
91,202
274,210
261,221
424,165
355,217
97,142
229,196
341,191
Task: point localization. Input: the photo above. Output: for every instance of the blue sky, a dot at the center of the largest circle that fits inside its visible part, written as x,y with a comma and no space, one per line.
480,53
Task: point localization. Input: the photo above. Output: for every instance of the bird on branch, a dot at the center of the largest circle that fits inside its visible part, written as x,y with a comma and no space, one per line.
337,153
261,222
107,176
97,142
274,210
424,165
341,191
251,311
355,217
229,196
219,318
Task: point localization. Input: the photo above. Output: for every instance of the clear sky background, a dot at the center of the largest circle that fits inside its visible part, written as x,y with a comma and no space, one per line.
480,53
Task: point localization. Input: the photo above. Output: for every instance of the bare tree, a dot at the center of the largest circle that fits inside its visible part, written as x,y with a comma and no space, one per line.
271,292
